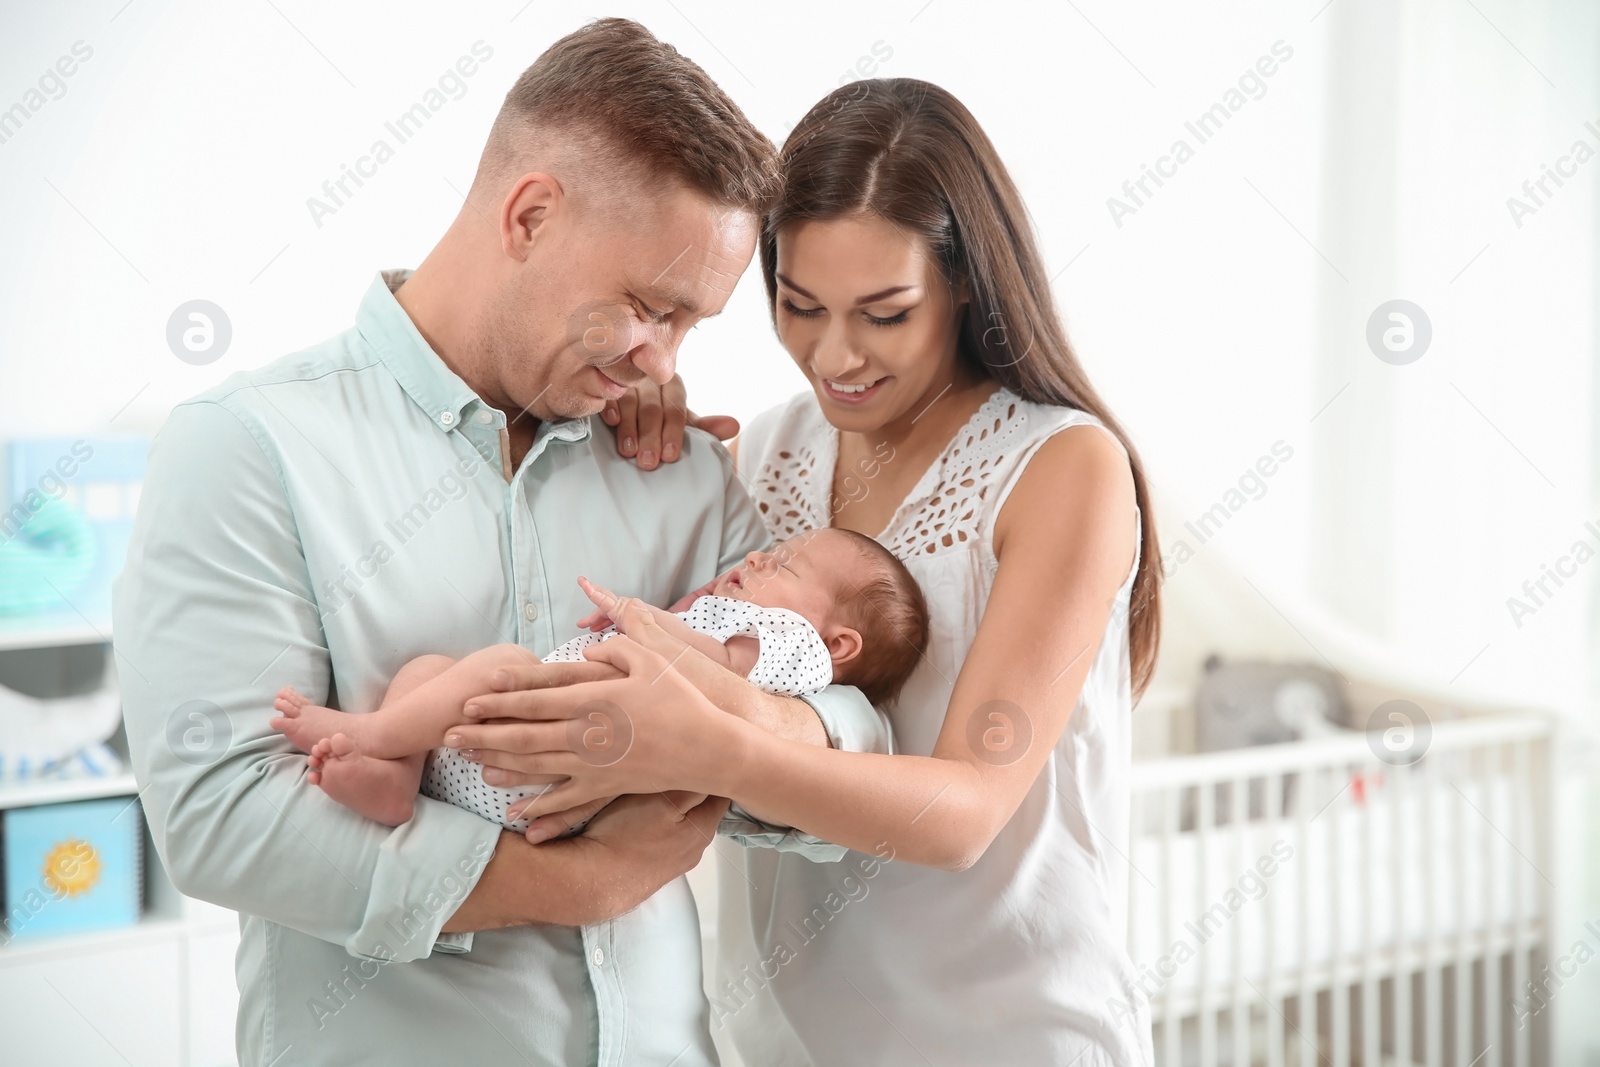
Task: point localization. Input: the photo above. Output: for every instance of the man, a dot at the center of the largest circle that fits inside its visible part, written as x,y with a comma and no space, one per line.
432,481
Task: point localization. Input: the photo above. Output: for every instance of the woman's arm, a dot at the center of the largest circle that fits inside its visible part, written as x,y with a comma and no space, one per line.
1063,556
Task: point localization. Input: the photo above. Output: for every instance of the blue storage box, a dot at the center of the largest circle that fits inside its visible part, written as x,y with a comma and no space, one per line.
96,481
72,867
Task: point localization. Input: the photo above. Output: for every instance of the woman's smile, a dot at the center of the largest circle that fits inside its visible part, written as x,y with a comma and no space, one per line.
858,392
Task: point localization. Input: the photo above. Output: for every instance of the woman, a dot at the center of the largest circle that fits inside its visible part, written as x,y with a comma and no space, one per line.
975,920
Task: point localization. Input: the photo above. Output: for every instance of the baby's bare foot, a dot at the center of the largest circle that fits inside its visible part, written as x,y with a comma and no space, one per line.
306,723
362,783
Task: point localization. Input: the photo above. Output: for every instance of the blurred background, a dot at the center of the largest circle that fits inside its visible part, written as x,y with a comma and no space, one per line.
1332,262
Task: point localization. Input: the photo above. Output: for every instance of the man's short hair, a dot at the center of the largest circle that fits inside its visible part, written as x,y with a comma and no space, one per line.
639,110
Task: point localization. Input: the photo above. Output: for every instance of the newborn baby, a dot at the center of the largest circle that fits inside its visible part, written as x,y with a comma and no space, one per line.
827,606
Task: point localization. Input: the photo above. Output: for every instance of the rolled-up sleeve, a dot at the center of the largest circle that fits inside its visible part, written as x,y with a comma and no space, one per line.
213,613
853,725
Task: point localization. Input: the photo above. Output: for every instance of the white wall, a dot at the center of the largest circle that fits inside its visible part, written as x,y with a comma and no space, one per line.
1218,318
1222,316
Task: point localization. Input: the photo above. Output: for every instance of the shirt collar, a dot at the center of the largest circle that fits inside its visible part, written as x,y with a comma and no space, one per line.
431,385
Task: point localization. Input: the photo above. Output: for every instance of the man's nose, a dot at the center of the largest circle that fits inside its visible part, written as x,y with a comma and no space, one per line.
657,358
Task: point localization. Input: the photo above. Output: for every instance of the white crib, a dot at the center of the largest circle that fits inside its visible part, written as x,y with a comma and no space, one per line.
1308,903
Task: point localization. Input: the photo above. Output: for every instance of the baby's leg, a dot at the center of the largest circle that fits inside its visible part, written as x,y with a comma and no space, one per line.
412,723
383,790
306,723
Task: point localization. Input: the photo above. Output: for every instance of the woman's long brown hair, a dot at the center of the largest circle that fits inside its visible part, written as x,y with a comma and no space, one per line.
910,153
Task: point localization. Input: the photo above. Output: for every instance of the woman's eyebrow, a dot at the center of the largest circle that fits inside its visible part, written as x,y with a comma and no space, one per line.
870,298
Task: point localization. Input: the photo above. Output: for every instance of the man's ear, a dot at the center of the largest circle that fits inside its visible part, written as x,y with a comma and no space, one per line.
527,210
844,644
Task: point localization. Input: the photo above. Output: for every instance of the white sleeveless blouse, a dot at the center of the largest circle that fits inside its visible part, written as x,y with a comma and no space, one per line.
1020,958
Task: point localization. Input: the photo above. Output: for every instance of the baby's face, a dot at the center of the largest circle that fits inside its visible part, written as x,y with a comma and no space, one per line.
804,574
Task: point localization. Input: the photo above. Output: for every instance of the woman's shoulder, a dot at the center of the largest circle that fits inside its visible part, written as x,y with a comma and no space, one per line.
1006,433
1036,419
1058,478
1031,432
1028,436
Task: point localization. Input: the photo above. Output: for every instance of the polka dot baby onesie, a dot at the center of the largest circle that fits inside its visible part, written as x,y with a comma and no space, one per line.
793,660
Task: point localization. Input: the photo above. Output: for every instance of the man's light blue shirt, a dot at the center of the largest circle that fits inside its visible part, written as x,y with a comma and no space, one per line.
318,523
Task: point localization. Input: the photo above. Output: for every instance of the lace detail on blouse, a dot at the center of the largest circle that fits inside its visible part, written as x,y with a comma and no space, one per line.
787,492
944,512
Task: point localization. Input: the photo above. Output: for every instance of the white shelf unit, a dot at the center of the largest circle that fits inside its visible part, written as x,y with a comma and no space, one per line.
55,630
161,992
28,794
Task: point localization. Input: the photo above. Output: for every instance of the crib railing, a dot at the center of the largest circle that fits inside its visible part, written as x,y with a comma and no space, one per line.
1314,903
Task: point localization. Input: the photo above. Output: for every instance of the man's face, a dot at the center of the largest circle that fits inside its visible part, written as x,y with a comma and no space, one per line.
605,298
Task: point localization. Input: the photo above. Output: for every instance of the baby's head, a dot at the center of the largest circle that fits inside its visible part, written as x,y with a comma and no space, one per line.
854,592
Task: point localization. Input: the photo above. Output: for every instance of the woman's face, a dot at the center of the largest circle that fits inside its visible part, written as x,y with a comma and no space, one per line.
863,311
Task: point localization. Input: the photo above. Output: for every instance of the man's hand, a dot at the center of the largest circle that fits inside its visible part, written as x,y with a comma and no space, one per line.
558,823
649,422
646,840
636,844
632,848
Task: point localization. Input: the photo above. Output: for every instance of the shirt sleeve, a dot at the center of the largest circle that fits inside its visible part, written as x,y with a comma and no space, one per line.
214,612
853,725
742,828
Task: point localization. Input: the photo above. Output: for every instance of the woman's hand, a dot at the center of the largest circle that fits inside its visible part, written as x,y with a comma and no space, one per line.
649,422
645,728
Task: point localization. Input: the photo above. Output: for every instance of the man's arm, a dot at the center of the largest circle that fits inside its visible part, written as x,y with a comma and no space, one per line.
612,868
214,611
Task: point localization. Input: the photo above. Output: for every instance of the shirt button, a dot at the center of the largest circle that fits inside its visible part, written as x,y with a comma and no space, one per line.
448,418
484,418
599,957
530,611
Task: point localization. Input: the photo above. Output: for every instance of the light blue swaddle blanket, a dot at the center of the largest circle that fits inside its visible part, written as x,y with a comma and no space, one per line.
42,563
48,558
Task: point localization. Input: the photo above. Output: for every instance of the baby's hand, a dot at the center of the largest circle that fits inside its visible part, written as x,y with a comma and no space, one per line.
604,600
594,622
620,611
606,605
611,609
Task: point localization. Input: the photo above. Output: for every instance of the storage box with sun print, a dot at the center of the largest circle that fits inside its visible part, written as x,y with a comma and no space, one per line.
71,867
